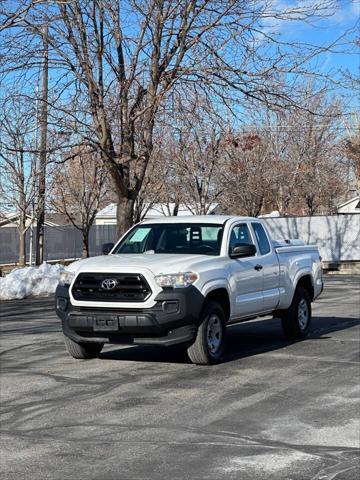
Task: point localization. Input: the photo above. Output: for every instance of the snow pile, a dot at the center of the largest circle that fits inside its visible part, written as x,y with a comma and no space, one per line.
23,282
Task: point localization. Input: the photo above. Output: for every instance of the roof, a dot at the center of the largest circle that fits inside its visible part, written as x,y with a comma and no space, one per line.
273,214
6,218
156,210
12,217
167,209
354,199
212,219
108,211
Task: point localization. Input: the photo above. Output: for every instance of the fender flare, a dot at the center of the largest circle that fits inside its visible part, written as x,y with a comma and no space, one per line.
303,272
215,284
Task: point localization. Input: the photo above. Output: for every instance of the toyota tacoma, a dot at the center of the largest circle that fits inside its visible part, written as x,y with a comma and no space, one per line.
183,280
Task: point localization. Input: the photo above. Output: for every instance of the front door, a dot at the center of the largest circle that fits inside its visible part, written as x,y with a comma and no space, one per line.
246,279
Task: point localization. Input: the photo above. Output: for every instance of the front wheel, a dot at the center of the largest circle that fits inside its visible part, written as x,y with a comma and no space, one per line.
296,320
82,350
210,339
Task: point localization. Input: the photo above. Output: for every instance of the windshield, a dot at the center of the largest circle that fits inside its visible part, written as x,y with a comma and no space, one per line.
191,238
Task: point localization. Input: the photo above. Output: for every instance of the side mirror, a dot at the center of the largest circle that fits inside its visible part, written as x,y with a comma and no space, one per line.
106,248
243,250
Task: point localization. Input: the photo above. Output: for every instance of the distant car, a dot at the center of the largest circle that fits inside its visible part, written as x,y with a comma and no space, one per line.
182,281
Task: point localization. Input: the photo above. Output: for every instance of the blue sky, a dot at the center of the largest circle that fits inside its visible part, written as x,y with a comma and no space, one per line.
328,30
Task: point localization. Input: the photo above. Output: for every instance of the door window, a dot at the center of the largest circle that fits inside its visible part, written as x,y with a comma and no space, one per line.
261,238
240,234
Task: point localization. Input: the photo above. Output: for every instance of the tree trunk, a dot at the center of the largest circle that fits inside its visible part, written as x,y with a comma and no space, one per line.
176,208
311,209
124,214
85,253
22,240
22,220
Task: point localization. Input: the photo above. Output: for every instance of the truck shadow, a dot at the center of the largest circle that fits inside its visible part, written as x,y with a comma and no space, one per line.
244,340
248,339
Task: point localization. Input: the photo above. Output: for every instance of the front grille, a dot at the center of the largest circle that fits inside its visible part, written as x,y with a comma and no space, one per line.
129,287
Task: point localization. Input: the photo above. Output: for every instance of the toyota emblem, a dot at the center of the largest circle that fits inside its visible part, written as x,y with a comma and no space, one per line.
109,283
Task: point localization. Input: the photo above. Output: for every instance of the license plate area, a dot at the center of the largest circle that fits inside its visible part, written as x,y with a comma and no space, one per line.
106,323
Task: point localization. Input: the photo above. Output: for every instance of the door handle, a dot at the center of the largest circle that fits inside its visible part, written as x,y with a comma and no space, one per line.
258,267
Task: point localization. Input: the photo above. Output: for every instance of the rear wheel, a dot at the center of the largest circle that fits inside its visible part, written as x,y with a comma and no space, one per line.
82,350
296,320
210,339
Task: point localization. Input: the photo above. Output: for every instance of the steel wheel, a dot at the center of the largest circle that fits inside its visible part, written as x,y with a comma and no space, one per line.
296,320
209,343
214,334
303,314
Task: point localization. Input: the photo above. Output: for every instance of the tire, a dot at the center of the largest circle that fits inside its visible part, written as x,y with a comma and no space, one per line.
296,320
210,338
82,350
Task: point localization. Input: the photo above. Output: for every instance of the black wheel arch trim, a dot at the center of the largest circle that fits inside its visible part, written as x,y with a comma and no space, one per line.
306,281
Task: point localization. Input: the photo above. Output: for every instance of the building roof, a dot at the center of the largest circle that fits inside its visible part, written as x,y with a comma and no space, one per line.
156,210
212,219
108,211
11,217
354,199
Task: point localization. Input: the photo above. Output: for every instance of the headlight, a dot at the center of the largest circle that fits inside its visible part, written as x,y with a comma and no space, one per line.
66,277
176,280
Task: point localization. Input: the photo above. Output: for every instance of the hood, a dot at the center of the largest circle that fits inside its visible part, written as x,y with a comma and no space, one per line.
155,263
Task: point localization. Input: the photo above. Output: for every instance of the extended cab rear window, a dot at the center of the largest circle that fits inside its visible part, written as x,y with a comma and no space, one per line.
179,238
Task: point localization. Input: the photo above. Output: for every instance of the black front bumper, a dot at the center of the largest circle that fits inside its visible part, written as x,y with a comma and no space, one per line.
172,320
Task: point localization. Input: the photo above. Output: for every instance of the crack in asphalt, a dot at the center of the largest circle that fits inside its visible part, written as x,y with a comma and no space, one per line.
327,451
333,454
332,472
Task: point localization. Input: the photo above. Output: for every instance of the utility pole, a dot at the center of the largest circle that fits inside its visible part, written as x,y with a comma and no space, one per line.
40,220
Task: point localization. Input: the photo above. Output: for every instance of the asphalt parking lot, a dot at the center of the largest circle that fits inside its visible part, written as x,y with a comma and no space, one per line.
272,410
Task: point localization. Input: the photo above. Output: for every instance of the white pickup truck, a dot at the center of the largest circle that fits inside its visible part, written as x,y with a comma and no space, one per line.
182,280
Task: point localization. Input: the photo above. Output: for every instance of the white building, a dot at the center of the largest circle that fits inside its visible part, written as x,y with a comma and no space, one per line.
12,220
351,206
107,216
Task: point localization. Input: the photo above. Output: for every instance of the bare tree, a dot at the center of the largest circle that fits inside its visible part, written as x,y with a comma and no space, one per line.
304,164
159,184
351,147
198,160
288,160
247,177
14,13
316,173
78,190
144,53
17,166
